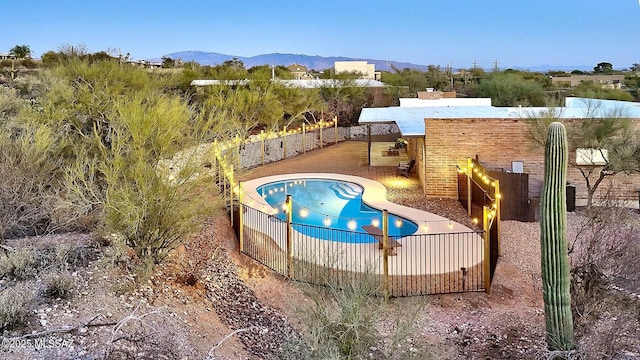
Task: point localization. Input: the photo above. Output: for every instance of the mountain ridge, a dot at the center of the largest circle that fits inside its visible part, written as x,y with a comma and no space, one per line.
319,63
315,62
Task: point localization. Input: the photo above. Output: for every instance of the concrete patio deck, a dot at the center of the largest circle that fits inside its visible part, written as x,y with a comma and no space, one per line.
348,158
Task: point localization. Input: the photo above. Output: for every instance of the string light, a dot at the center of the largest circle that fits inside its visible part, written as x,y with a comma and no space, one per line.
352,225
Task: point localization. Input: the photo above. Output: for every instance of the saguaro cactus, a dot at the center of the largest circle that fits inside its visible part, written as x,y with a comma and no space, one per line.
553,241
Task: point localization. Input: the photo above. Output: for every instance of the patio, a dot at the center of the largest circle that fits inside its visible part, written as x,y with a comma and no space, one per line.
348,158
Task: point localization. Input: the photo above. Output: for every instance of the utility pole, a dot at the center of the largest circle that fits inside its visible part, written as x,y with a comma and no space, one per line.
495,65
451,73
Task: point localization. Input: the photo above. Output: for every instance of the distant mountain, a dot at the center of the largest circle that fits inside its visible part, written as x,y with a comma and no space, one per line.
311,62
545,68
320,63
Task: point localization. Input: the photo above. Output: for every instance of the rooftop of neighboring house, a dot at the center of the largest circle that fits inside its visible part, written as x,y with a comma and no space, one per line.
410,119
296,68
7,56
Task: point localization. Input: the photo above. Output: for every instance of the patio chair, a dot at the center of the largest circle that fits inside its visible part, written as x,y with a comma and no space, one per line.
404,168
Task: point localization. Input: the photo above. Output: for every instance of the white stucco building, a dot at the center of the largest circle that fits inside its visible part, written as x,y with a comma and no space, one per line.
368,71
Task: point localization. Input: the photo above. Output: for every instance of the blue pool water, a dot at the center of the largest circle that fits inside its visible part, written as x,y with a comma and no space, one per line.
329,204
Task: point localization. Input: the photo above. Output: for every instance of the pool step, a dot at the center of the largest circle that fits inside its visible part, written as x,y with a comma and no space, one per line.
345,191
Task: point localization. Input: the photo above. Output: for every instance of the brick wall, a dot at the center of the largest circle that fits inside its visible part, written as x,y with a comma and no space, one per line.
496,143
429,95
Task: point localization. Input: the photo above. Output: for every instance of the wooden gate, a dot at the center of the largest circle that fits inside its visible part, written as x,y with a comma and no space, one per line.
515,204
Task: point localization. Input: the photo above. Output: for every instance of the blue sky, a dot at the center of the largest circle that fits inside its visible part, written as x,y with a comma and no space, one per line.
458,32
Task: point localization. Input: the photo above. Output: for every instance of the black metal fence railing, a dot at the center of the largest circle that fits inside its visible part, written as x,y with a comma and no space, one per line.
413,265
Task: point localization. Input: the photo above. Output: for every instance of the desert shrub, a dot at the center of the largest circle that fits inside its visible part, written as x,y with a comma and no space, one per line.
70,255
10,103
29,161
59,285
152,210
14,306
21,264
147,333
343,322
28,63
605,254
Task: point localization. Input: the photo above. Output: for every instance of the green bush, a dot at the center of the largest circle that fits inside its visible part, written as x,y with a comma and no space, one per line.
152,210
508,89
13,307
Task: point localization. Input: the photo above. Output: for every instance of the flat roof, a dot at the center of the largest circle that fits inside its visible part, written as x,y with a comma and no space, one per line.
410,120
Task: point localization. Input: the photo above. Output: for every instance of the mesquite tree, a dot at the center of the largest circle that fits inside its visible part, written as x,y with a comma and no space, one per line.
553,239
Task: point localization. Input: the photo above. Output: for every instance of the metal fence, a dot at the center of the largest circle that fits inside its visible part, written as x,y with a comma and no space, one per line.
422,264
418,264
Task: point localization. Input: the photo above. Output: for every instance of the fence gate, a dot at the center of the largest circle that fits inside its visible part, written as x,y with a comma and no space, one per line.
515,203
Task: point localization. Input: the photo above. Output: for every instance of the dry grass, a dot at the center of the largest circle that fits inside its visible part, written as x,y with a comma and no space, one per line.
14,309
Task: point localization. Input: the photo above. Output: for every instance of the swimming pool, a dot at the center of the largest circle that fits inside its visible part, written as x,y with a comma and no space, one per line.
325,203
438,245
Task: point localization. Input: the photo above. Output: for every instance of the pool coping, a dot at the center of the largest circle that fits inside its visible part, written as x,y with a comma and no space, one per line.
374,195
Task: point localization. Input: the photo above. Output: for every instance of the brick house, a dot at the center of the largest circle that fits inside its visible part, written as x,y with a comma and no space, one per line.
443,137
